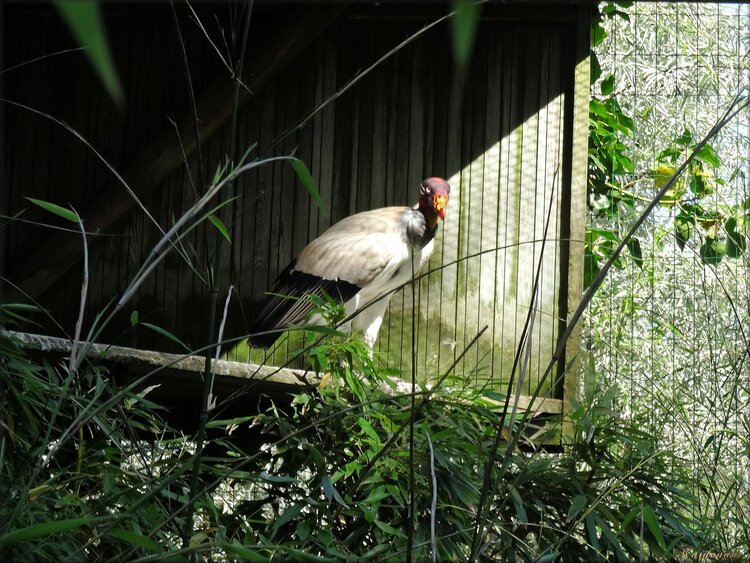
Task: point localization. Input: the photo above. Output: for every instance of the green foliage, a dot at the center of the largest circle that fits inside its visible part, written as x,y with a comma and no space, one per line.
89,471
668,332
541,503
330,478
61,493
613,178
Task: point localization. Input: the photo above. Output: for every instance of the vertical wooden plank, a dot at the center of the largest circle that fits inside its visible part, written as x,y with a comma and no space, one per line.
507,257
278,212
553,115
364,193
379,125
329,49
544,136
451,226
292,221
480,219
391,69
429,286
491,295
413,313
399,307
403,126
531,204
573,258
342,169
416,133
172,262
262,276
237,323
250,289
304,209
357,201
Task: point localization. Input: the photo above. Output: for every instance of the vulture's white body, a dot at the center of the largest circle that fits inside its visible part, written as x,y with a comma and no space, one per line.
370,250
359,261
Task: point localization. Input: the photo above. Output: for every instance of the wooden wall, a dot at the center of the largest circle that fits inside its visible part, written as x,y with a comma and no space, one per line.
502,133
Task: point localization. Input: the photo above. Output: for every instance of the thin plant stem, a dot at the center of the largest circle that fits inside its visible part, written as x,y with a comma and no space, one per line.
410,521
433,504
72,364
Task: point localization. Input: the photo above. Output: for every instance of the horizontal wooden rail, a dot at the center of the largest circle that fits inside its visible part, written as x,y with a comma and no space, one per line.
188,369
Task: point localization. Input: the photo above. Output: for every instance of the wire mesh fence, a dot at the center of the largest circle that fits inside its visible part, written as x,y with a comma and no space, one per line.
671,333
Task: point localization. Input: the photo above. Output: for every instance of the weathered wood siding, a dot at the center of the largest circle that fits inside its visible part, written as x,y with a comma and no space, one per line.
502,133
503,153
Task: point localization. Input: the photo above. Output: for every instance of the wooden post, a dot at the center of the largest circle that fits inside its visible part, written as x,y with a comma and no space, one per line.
577,216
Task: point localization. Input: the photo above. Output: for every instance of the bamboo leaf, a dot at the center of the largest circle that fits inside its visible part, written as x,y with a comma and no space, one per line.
576,506
684,227
390,530
301,555
712,251
290,513
303,173
736,240
85,21
463,28
276,478
378,549
43,529
634,246
518,503
596,69
136,539
376,495
708,154
219,224
649,517
369,430
22,307
317,457
331,492
63,212
245,553
229,421
166,334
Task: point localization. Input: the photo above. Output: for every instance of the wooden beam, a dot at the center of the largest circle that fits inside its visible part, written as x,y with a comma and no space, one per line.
189,367
176,372
46,260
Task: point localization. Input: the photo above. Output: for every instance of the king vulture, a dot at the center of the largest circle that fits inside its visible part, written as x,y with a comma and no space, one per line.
356,261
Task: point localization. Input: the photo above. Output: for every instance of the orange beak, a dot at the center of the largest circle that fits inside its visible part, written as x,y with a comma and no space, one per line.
439,202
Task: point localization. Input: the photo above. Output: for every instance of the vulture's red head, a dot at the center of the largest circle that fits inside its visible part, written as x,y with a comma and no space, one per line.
433,195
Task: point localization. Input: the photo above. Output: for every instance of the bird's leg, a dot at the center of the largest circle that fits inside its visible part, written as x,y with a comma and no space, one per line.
371,332
349,308
369,320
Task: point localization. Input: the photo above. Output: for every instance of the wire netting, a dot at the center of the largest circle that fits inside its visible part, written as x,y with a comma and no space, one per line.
671,334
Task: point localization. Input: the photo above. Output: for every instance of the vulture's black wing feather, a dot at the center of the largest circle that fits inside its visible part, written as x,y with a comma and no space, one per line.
289,303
